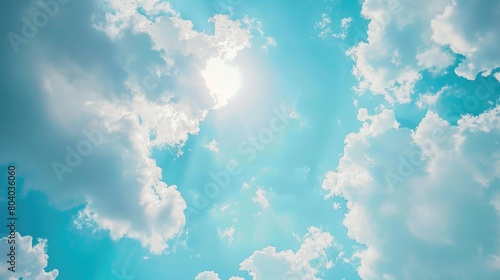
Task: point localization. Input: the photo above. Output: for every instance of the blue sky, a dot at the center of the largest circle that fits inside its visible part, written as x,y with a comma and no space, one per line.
263,140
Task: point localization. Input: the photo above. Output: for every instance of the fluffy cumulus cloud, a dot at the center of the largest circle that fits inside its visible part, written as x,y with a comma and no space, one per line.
344,25
103,112
212,146
270,42
470,28
428,100
260,198
227,233
31,261
406,38
425,202
270,264
207,275
325,27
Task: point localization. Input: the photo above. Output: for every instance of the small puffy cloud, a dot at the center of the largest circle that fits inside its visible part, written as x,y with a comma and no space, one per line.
336,206
302,171
212,146
260,198
207,275
269,264
430,99
31,261
414,216
227,233
236,278
171,35
104,116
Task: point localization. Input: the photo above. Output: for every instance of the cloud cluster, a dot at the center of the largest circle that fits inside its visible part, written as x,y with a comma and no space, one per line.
470,28
407,38
260,198
424,202
31,261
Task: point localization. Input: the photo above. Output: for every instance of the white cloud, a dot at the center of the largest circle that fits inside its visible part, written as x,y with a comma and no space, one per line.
435,59
430,99
228,40
207,275
31,261
406,38
376,124
324,26
325,29
222,79
270,42
212,146
269,264
253,23
119,16
470,28
225,207
260,198
302,171
344,26
419,200
336,206
236,278
227,233
138,110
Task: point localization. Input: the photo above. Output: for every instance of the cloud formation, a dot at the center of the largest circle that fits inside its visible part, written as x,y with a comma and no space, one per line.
422,201
31,261
270,264
407,38
104,112
207,275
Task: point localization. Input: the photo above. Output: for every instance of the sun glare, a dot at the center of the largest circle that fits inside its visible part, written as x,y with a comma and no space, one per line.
222,80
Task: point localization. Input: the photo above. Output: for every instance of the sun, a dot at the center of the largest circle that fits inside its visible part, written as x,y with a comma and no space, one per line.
222,79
